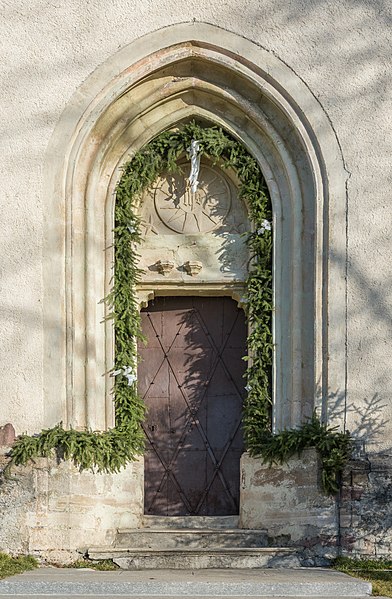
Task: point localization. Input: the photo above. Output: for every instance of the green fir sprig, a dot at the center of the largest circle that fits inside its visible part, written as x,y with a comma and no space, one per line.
333,447
105,451
162,155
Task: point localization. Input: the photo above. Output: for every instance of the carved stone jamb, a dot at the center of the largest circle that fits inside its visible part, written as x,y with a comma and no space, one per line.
193,267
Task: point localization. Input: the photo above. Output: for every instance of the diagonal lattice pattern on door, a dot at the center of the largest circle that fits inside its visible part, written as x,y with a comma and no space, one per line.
191,378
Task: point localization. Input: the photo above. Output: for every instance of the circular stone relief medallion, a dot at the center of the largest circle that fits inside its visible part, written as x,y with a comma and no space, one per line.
185,212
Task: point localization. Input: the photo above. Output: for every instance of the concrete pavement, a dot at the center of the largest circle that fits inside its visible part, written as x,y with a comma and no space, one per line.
77,583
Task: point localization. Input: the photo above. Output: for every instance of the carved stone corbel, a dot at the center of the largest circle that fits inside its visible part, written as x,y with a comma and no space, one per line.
193,267
164,267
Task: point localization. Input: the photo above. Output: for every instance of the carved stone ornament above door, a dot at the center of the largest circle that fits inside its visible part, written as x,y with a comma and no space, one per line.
183,211
199,232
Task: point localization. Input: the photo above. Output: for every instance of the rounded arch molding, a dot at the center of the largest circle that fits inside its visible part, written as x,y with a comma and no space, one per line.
171,75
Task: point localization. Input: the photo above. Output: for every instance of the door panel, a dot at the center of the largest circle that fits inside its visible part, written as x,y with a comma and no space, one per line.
191,378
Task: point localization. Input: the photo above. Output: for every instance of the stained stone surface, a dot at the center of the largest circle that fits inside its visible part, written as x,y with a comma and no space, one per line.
7,435
53,510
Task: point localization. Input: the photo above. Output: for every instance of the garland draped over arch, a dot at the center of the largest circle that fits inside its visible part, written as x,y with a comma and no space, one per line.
159,156
110,450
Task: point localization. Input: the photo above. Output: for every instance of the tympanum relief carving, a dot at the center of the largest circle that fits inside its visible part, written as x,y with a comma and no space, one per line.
184,211
183,227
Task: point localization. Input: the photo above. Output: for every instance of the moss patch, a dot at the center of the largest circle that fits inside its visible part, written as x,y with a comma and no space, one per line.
103,565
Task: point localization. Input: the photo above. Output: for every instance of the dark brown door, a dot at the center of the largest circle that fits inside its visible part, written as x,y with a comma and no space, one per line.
191,378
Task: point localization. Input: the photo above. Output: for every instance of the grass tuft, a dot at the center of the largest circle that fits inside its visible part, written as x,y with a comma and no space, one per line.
376,571
16,565
104,565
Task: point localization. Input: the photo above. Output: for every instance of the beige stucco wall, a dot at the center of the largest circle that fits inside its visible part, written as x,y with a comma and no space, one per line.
341,50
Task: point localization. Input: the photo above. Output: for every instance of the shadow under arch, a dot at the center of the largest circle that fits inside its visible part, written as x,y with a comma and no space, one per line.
155,83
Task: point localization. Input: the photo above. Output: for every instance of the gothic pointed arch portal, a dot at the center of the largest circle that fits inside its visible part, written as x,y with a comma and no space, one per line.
167,77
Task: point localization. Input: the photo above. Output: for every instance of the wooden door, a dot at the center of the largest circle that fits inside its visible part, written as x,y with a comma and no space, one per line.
191,378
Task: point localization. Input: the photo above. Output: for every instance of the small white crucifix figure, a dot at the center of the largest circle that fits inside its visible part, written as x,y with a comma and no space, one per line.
193,150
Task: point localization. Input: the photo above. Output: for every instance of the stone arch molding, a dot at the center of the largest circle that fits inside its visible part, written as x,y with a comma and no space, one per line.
184,71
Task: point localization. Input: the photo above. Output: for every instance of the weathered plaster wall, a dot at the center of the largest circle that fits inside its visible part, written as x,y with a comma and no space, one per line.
49,49
55,512
52,510
288,502
365,506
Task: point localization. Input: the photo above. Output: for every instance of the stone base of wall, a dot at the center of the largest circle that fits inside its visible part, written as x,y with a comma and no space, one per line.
52,510
288,502
366,507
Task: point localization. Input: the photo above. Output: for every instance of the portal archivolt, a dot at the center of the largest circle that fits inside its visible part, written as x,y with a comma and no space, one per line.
147,89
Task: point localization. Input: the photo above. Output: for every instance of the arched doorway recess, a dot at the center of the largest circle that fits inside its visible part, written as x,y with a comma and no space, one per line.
160,80
191,377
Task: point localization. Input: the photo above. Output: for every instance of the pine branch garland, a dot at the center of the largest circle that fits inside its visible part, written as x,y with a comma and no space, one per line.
109,451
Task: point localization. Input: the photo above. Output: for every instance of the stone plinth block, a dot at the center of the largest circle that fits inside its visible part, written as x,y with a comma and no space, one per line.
54,510
287,500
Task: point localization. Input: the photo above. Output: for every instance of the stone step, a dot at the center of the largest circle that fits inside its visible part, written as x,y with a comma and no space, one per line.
196,559
197,538
209,522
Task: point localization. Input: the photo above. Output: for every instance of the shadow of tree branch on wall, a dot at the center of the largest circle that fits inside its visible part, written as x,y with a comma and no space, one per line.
370,419
367,420
364,503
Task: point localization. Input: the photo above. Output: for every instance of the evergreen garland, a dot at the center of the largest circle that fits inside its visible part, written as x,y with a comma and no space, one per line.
334,448
109,451
162,155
